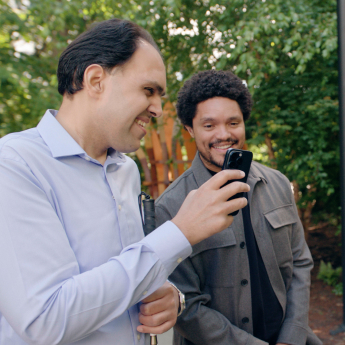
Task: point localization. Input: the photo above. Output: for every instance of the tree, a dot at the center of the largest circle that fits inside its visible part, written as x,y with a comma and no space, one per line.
284,50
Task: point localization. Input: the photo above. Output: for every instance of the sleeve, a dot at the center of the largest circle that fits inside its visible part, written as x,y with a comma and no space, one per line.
198,323
43,295
294,329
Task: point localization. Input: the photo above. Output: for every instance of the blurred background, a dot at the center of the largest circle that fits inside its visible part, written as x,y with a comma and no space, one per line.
284,50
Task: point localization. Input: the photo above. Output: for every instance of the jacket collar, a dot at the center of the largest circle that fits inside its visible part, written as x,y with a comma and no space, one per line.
202,174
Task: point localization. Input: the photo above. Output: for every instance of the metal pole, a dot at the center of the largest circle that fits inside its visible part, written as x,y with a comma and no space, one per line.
341,58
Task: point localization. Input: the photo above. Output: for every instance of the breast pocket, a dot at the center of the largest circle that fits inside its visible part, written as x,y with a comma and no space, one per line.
280,222
213,259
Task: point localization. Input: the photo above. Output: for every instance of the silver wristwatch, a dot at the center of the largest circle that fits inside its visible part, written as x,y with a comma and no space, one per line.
182,305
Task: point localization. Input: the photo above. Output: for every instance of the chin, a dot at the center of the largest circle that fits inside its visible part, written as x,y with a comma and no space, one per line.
129,150
129,147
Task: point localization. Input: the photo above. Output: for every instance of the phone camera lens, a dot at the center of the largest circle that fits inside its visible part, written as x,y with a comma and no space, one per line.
232,165
239,160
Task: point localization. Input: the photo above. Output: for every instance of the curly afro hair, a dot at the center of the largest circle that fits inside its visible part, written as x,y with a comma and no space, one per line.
208,84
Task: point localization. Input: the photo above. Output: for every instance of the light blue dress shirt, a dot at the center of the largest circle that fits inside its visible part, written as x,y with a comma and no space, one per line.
74,263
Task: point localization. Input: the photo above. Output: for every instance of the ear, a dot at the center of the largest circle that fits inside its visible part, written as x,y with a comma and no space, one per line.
93,81
190,130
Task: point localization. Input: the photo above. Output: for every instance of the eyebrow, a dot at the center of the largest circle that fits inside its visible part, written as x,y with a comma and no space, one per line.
212,119
157,87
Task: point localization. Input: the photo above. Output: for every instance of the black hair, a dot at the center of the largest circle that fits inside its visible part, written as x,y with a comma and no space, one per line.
208,84
109,43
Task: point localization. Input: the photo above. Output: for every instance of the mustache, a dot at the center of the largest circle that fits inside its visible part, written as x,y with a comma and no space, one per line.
227,141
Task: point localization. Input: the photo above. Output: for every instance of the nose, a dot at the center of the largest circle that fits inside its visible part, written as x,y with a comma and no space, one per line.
223,133
155,108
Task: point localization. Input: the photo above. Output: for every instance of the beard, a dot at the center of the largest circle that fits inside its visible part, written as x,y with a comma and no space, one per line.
210,159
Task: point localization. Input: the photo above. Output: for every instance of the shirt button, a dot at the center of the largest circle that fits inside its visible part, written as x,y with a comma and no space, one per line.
87,158
245,320
144,293
119,207
138,336
242,245
179,260
244,282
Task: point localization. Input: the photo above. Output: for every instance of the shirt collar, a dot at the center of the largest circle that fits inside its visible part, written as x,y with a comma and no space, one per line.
115,157
60,142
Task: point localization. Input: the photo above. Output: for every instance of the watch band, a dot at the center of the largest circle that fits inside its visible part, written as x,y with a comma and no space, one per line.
182,305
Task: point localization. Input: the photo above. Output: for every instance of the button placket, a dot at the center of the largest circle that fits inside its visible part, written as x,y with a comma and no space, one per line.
118,207
245,320
244,282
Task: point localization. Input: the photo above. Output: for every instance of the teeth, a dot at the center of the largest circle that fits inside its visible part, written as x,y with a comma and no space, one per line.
222,147
140,123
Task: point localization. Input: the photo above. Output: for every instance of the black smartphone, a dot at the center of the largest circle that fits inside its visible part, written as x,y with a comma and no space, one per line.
241,160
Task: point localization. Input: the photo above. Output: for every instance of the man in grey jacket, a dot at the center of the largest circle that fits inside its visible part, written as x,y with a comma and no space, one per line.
250,283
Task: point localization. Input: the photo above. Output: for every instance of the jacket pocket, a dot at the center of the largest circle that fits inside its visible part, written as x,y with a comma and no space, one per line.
224,238
281,216
215,259
281,220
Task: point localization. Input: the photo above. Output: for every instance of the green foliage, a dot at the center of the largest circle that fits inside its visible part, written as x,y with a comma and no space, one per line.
338,289
331,276
286,51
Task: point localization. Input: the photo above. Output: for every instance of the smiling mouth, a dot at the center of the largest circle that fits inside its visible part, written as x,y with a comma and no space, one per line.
140,123
223,146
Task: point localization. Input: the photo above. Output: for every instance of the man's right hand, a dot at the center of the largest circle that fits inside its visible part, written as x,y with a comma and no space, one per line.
205,210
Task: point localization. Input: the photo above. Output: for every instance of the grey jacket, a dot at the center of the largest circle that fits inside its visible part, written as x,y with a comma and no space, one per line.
216,302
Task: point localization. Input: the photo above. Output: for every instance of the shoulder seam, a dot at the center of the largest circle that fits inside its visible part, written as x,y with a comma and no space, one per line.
15,160
180,178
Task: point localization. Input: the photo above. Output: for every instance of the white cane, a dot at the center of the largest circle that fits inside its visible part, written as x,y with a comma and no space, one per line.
149,224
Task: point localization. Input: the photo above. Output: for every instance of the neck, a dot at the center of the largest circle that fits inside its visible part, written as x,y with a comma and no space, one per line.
76,116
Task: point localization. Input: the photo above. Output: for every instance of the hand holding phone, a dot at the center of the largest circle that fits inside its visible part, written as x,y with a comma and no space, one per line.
241,160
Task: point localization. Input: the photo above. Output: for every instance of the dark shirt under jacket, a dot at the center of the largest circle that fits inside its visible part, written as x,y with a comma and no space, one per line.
266,310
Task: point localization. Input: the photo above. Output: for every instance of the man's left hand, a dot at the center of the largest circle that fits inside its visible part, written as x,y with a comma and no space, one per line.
158,312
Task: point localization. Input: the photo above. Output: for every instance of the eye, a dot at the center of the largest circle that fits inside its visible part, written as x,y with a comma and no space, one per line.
207,126
150,90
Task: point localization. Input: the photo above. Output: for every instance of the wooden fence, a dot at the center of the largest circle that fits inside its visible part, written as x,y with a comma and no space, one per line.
169,152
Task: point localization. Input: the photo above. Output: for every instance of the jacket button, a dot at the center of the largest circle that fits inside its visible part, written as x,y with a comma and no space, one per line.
244,282
242,245
245,320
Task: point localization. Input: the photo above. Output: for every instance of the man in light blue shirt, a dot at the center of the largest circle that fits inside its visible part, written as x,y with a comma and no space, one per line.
75,267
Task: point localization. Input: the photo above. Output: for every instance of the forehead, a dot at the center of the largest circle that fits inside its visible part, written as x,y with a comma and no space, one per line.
146,64
217,108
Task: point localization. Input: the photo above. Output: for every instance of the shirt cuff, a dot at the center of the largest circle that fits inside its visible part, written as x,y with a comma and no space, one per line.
169,244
